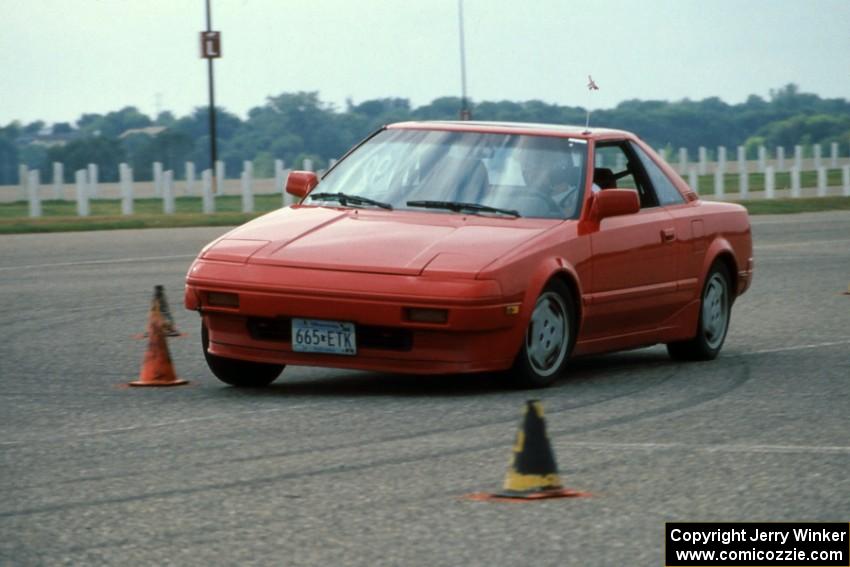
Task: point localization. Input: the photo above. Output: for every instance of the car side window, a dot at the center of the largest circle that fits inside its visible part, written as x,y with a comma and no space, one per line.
617,167
665,190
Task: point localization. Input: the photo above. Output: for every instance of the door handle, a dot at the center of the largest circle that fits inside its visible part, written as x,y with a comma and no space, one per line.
668,234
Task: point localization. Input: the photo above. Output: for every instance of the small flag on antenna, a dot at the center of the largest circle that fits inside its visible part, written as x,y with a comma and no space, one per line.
591,86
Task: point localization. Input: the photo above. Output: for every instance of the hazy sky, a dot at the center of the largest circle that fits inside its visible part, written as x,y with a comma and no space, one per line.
61,58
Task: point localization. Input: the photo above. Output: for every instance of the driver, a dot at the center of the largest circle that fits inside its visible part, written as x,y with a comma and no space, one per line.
548,175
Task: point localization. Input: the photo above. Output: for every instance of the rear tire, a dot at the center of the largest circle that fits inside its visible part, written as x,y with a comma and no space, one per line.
239,373
714,314
549,338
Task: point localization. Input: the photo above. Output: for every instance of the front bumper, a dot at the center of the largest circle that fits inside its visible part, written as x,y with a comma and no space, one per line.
481,333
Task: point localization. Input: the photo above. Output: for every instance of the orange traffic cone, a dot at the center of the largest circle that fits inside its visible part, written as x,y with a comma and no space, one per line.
532,474
169,327
157,369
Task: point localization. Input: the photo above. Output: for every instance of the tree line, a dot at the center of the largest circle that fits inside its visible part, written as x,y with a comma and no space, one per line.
295,126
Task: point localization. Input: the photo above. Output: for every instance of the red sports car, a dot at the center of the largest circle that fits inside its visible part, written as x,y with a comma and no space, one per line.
446,247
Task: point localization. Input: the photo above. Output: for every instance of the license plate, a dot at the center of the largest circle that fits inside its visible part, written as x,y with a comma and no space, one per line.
328,337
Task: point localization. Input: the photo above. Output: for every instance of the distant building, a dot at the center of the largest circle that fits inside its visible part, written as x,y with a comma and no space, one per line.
147,131
46,137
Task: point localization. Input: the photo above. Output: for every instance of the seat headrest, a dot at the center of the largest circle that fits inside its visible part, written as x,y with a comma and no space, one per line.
604,177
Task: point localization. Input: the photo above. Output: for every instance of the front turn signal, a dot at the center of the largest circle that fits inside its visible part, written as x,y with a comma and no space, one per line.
512,309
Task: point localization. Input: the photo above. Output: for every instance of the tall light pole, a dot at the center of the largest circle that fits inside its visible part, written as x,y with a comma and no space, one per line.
211,49
465,113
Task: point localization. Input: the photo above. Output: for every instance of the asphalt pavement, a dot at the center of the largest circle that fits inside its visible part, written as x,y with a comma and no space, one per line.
331,467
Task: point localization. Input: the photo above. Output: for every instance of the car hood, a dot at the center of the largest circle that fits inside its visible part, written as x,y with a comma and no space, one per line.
363,240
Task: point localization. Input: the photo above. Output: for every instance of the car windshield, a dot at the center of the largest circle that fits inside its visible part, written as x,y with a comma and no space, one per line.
462,172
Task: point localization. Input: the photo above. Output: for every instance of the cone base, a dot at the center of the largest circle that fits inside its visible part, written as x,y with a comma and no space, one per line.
530,496
140,384
175,334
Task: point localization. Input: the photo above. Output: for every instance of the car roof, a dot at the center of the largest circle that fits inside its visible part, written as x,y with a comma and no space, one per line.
530,128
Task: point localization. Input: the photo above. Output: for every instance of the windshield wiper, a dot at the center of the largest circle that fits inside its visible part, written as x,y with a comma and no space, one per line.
458,207
345,198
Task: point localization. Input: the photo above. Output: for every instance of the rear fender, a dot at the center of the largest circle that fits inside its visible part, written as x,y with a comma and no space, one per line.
719,247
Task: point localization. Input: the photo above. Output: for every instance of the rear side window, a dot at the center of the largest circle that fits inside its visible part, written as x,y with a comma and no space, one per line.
666,192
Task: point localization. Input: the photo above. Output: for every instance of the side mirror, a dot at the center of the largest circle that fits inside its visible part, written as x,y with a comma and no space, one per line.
299,183
616,202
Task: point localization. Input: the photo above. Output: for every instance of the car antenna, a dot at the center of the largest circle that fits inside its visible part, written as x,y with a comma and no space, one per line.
591,86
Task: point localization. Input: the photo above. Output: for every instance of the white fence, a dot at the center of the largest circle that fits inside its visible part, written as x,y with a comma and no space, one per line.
767,169
778,160
163,186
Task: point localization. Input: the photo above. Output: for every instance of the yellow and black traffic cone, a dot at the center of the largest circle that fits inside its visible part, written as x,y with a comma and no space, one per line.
532,473
169,327
157,368
532,468
848,290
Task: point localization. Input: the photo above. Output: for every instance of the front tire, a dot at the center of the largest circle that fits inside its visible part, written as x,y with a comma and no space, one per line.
549,338
714,314
239,373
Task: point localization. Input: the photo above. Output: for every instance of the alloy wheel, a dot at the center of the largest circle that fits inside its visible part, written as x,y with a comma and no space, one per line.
548,334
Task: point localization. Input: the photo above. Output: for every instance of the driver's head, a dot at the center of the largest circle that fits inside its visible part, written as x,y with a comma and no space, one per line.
547,171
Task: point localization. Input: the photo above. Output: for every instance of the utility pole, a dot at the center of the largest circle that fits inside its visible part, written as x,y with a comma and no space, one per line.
465,113
211,49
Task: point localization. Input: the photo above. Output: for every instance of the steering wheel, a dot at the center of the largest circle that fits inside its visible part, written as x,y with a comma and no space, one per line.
568,201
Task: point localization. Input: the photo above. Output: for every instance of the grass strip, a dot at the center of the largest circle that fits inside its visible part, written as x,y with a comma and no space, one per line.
782,180
141,207
791,206
60,216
